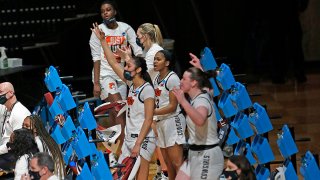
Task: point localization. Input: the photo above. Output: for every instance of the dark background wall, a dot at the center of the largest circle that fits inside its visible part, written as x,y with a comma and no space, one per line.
222,26
228,27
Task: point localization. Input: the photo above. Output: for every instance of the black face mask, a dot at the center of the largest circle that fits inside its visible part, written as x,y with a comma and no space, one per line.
139,43
127,75
109,21
10,147
233,174
3,99
34,175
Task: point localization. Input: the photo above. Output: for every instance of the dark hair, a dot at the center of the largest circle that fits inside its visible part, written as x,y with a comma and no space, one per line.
49,145
23,143
242,163
44,159
201,77
141,62
110,2
168,57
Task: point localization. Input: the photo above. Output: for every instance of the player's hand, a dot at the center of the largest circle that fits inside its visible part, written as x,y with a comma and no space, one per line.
96,90
135,152
195,61
179,94
97,31
25,177
124,52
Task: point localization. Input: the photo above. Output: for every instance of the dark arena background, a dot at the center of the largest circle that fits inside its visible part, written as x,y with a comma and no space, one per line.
238,33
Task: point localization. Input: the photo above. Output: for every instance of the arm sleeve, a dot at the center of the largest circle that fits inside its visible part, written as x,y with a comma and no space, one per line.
95,47
132,41
148,92
173,81
150,58
18,117
21,167
39,144
202,102
3,147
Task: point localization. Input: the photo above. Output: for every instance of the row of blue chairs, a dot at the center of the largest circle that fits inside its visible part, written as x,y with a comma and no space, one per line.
249,121
74,135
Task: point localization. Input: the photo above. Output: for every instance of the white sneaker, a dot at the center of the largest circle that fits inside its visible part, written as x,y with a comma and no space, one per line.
160,176
112,160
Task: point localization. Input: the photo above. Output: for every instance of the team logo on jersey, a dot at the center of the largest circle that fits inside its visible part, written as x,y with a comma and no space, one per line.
162,83
114,43
130,100
112,85
157,92
135,92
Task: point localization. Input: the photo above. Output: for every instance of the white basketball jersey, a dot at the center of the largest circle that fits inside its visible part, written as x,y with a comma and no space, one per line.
162,87
135,114
206,134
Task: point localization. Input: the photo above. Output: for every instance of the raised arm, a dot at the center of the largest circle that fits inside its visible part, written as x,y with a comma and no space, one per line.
109,55
195,61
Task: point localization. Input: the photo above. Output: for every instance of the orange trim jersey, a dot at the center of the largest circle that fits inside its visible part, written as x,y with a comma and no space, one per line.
122,36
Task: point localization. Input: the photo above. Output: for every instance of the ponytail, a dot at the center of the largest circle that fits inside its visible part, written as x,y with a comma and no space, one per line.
146,77
153,32
141,62
158,35
206,81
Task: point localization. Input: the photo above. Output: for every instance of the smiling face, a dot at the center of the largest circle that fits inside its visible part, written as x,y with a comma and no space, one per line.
160,62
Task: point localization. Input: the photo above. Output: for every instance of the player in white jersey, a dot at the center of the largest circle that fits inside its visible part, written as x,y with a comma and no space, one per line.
106,82
205,155
139,137
170,122
149,37
134,122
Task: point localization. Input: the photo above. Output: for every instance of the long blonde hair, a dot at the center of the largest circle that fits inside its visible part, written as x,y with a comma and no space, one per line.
153,32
